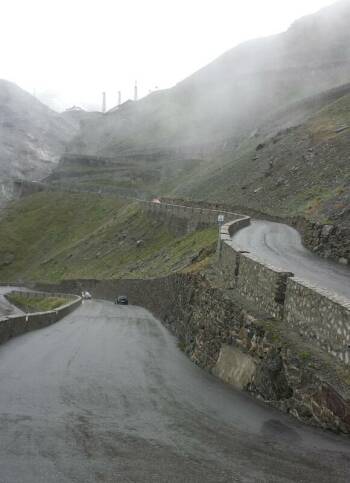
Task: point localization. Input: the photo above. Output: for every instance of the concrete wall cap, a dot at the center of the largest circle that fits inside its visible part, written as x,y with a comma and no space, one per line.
334,297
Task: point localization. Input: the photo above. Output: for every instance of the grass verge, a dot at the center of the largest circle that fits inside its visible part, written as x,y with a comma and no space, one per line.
36,303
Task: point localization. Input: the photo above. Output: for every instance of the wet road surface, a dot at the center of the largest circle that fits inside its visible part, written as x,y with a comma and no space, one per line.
105,395
281,246
5,307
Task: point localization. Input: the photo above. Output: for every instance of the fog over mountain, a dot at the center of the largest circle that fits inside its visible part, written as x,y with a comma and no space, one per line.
263,127
233,95
32,136
198,137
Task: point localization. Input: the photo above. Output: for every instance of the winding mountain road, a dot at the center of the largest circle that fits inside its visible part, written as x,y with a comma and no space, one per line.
105,395
281,246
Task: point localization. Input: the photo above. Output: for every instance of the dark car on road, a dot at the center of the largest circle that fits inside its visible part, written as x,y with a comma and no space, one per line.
121,300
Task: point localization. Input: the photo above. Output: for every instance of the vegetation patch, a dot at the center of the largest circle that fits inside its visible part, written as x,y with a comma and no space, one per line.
36,303
51,236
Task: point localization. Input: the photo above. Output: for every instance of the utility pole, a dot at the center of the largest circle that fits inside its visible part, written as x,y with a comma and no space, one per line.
119,98
135,92
103,102
221,220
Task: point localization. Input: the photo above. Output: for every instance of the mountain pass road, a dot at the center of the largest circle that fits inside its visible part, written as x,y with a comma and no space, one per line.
281,246
105,395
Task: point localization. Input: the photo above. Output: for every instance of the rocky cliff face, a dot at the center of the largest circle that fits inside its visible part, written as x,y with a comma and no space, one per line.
32,136
327,240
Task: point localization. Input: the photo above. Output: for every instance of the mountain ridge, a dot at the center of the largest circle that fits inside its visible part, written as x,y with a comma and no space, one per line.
32,136
230,96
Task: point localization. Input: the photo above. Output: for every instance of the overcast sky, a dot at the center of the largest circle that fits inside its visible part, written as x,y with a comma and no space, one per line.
69,51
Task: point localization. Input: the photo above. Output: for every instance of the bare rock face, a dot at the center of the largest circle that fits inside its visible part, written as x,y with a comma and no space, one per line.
270,381
329,241
32,137
326,230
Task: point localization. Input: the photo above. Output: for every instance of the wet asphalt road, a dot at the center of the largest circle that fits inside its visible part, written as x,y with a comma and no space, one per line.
5,307
281,246
105,395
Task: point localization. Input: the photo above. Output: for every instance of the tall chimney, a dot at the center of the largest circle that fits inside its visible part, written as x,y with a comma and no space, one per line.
103,102
119,98
135,91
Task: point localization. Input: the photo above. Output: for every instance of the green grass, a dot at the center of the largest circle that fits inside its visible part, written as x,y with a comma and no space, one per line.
305,355
242,178
323,126
36,303
52,236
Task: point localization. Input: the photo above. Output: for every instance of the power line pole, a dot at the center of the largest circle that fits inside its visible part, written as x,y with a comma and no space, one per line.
103,102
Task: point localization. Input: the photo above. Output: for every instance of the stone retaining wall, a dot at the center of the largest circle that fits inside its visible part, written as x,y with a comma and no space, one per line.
319,316
12,326
193,217
316,313
262,284
229,265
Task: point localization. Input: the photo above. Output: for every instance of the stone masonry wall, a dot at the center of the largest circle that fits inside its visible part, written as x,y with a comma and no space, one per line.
262,284
194,217
13,326
228,257
258,282
265,286
319,316
229,265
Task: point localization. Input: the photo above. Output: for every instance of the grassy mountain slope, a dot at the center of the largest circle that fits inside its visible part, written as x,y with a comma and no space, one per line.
303,169
51,236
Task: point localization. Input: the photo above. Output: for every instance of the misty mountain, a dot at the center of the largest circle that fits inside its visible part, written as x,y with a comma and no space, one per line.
78,116
215,108
32,136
